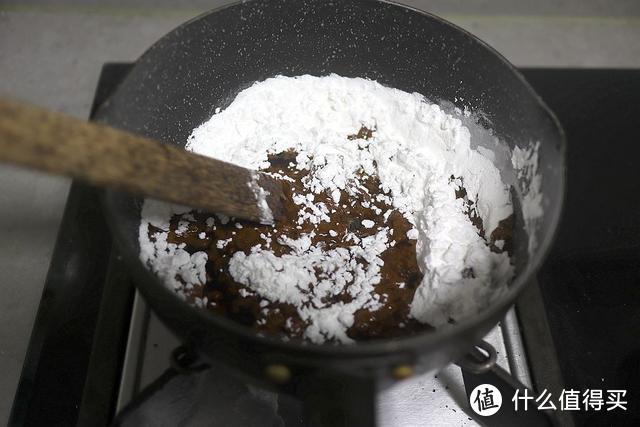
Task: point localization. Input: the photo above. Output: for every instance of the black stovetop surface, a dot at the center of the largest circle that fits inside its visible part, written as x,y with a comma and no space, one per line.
591,279
590,283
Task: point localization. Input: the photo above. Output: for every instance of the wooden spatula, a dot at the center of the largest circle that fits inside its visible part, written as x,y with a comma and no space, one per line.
103,156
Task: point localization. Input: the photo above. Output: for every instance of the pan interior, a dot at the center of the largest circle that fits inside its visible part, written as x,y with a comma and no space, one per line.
205,63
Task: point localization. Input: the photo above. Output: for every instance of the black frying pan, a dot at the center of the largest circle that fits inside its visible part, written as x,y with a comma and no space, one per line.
204,63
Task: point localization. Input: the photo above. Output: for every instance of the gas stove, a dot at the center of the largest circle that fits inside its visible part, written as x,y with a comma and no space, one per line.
438,396
97,349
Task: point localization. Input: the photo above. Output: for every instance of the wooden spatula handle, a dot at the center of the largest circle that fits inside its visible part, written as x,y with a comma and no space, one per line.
103,156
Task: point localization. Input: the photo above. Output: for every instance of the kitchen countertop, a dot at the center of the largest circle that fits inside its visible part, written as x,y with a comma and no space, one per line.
52,56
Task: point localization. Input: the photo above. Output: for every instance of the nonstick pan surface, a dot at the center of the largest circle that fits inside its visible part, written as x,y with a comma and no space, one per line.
176,85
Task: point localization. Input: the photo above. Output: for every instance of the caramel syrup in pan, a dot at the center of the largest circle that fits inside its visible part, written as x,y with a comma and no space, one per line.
400,273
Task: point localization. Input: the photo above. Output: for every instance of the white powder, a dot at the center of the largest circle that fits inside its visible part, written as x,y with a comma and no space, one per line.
169,261
330,272
220,244
525,163
413,234
266,216
415,150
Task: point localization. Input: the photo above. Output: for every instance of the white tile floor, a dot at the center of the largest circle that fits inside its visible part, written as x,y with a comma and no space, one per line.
51,55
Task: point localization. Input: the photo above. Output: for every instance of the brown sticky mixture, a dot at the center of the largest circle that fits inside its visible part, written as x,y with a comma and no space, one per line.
400,274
